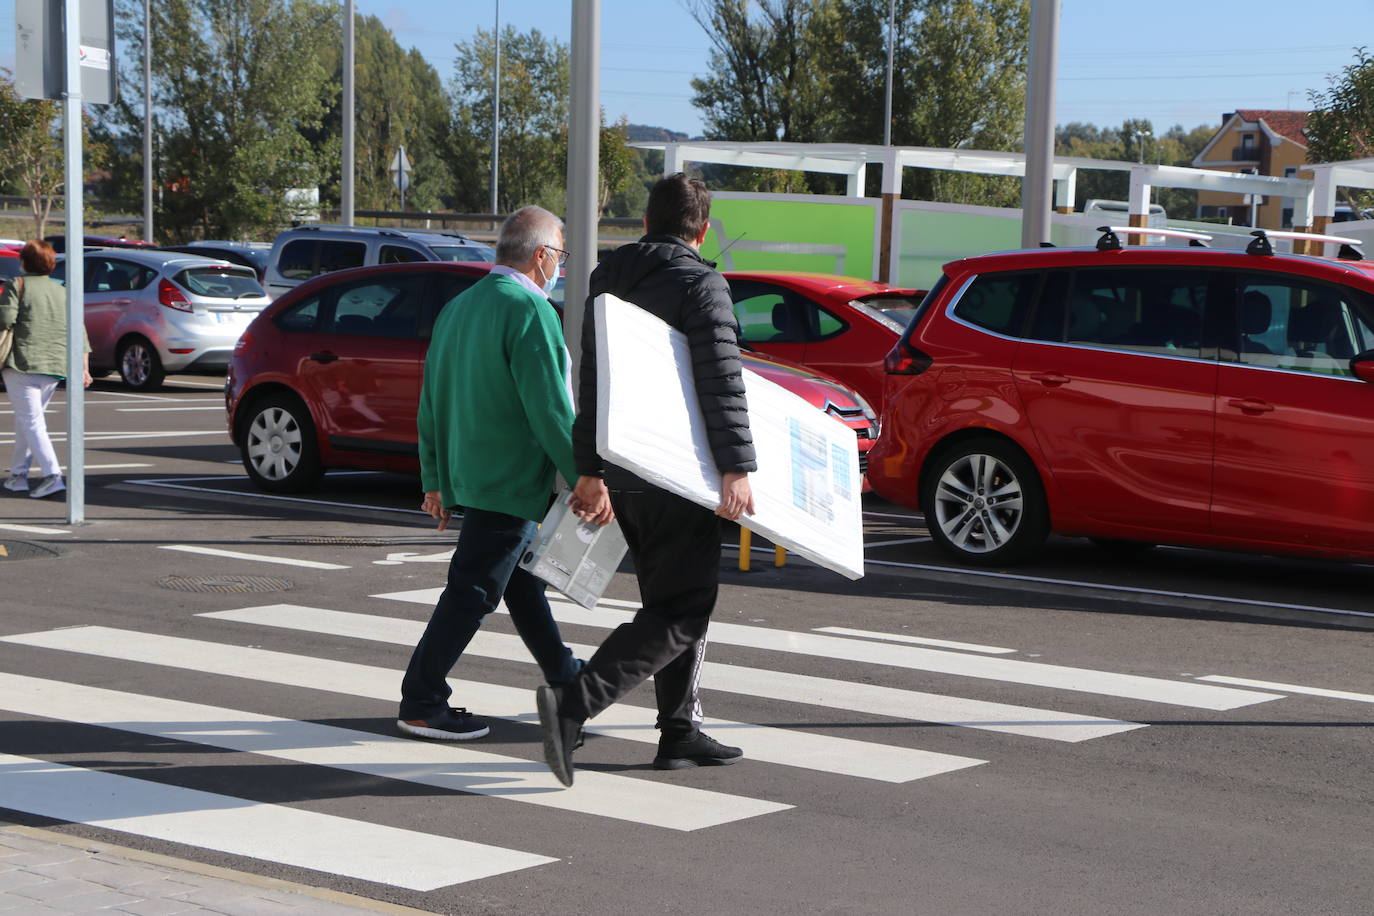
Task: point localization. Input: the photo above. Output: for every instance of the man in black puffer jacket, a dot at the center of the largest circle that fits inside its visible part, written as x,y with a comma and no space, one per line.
675,544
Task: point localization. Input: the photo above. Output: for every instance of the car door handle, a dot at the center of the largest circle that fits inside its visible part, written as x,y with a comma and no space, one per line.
1051,379
324,357
1250,405
124,302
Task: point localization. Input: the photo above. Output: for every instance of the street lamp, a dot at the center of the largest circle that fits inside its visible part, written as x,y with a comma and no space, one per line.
1140,136
496,109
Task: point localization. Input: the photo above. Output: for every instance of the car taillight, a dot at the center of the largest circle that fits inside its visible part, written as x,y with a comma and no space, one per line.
904,359
173,298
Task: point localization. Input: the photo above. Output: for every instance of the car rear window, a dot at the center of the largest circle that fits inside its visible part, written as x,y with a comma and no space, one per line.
302,259
464,253
997,302
894,312
220,282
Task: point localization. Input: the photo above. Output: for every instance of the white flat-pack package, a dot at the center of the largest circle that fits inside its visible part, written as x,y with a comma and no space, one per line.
578,558
807,490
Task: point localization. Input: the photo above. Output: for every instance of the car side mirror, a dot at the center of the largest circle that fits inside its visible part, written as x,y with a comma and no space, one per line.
1362,365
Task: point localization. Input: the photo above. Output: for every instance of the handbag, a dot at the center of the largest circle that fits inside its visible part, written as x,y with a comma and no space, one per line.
7,334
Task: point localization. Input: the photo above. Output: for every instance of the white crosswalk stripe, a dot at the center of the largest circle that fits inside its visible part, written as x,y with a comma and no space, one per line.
427,763
778,685
1012,671
773,745
274,833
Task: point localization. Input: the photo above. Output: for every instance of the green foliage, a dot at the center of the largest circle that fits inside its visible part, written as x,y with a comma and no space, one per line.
32,158
399,100
1127,144
1341,125
814,71
240,89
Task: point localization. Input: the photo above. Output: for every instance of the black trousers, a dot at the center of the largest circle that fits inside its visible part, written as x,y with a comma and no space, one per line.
675,546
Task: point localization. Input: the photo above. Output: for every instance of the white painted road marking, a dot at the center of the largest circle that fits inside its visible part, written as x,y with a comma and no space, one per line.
915,640
275,833
755,682
219,407
823,753
1035,674
1290,688
427,763
33,529
255,557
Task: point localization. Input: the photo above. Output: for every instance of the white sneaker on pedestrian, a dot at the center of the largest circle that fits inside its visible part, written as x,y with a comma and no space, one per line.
48,486
17,484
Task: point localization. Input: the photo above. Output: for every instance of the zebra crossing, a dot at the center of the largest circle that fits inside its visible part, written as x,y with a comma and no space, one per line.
416,860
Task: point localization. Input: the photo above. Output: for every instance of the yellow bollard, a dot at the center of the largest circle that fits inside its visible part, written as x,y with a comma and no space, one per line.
779,556
746,543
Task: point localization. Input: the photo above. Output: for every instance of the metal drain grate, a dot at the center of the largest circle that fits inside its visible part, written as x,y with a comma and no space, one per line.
23,550
224,584
330,541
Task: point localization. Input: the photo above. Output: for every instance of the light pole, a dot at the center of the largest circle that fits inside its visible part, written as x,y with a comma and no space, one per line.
496,111
147,121
1140,136
887,98
1036,193
346,188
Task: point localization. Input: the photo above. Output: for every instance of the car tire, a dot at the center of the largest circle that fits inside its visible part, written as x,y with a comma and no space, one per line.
139,365
984,502
278,445
1121,549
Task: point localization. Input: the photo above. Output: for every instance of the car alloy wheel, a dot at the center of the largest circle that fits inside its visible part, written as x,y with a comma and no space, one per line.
984,503
139,365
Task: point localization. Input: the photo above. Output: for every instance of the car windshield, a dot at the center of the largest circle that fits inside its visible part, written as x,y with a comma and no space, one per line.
220,282
893,311
465,253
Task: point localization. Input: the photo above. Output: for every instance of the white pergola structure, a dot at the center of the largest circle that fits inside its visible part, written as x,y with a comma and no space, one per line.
1313,199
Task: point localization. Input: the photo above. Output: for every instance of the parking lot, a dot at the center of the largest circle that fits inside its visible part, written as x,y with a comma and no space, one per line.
1076,730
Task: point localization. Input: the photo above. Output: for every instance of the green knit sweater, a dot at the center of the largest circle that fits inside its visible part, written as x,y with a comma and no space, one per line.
495,413
39,319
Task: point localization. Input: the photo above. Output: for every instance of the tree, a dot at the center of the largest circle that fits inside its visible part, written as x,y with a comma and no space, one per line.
1341,125
814,71
31,150
399,101
235,99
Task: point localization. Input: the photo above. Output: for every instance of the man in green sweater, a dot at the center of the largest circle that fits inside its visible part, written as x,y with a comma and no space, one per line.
495,423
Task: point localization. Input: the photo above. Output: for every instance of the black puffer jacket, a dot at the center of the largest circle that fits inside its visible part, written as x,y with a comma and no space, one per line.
665,276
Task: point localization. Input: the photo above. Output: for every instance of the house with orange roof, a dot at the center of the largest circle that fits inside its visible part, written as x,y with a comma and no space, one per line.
1257,142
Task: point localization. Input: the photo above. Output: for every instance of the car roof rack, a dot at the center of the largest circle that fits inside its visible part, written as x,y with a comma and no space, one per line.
316,227
1262,246
1111,241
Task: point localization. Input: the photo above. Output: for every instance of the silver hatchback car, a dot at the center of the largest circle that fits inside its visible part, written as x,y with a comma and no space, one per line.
150,312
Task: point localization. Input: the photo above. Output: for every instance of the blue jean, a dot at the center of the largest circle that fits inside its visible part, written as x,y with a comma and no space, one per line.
484,569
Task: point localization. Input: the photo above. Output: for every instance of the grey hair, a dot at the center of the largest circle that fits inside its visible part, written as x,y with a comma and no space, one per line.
523,233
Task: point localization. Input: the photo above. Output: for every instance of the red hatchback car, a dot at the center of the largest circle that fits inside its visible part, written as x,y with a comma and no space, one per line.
840,326
1137,395
329,374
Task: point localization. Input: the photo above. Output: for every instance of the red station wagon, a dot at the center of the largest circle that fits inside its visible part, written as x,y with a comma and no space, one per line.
329,375
1137,395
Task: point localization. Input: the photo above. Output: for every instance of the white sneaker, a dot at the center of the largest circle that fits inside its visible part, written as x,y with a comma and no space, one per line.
48,486
17,484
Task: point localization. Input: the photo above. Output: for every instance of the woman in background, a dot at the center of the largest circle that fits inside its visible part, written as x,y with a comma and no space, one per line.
35,307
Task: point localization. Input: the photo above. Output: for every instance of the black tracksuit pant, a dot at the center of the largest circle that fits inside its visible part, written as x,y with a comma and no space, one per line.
675,546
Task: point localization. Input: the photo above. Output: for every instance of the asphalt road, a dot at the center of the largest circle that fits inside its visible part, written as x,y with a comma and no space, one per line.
206,673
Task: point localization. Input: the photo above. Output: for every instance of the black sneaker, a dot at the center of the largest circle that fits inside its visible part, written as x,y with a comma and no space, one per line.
701,751
561,735
447,725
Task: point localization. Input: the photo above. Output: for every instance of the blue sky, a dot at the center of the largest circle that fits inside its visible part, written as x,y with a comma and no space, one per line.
1172,61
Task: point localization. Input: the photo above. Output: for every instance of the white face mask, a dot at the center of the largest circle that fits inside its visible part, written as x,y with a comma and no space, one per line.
552,279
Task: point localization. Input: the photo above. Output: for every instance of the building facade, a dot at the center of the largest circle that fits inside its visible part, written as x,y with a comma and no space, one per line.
1256,142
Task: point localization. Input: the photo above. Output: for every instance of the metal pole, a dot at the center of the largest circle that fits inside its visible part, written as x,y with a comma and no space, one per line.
891,47
584,136
76,306
496,113
1036,187
346,188
147,121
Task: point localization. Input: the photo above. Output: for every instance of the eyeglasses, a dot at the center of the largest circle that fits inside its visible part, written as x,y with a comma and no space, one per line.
562,255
